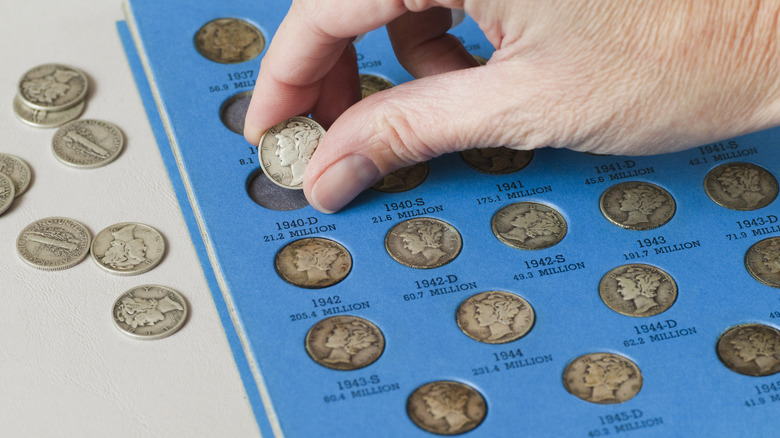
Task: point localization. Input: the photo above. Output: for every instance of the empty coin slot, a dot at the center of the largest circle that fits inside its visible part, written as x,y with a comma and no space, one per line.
233,111
267,194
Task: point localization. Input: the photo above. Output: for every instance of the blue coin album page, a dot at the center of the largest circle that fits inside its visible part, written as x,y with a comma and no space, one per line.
486,293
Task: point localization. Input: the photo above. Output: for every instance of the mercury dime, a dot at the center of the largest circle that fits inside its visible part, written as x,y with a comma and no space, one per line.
638,290
602,378
370,84
495,317
445,407
150,312
497,161
128,248
17,170
403,179
423,243
53,243
762,261
286,148
229,41
345,343
43,118
637,205
741,186
52,87
750,349
7,193
313,262
529,225
87,143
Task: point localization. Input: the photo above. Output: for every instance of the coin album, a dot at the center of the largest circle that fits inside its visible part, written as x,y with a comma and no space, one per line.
547,301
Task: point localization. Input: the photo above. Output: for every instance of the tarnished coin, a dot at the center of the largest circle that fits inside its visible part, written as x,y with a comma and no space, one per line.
39,118
87,143
480,60
150,312
423,243
229,41
495,317
741,186
370,84
345,342
53,243
52,87
403,179
128,248
602,378
286,148
7,193
638,290
762,261
750,349
497,161
637,205
313,262
529,225
445,407
17,170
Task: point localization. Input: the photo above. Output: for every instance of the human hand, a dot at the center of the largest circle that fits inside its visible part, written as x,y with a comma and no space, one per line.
612,77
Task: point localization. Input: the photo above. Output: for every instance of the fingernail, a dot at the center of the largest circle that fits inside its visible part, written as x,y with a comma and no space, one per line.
342,182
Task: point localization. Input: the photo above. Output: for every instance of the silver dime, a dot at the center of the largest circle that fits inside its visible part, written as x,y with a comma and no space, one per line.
423,243
345,342
87,143
53,243
529,225
741,186
602,378
445,407
495,317
16,169
497,161
637,205
762,261
128,248
39,118
638,290
286,148
403,179
229,41
52,87
313,262
150,312
750,349
370,84
7,193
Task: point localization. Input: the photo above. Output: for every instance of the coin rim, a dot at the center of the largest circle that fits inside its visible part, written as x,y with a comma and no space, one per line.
143,270
114,155
158,336
571,362
511,245
736,327
318,361
23,187
73,262
420,425
283,277
260,149
752,270
455,256
76,112
671,279
634,227
263,40
79,99
722,204
497,342
4,207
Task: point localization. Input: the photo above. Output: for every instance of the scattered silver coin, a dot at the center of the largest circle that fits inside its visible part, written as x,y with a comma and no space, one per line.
602,378
529,225
495,317
637,205
7,193
39,118
750,349
638,290
128,248
345,342
150,312
741,186
286,148
52,87
229,41
370,84
762,261
16,169
53,243
313,262
403,179
445,407
496,161
87,143
423,243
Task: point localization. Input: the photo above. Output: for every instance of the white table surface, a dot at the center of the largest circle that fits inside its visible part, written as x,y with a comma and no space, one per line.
65,370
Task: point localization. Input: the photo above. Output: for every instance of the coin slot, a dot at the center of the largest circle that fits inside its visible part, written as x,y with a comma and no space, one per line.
233,111
266,193
229,41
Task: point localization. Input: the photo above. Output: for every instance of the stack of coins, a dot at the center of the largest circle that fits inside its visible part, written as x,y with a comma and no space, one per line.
14,179
50,95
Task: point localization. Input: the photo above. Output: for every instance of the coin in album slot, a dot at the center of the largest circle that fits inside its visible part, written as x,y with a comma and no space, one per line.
53,243
150,312
496,161
313,263
7,193
52,87
637,205
423,243
529,225
741,186
38,118
495,317
229,41
87,143
345,342
403,179
233,111
286,148
445,407
128,248
762,261
17,170
602,378
638,290
370,84
750,349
